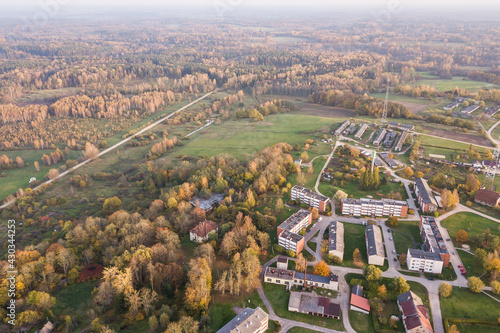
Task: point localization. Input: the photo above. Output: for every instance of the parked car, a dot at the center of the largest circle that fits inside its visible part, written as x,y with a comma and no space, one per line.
390,238
460,266
395,259
319,219
431,279
388,230
448,240
394,251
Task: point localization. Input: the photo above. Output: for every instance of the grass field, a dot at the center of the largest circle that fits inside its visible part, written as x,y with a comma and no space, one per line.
464,304
300,330
352,188
278,297
440,146
446,85
354,238
470,222
400,98
19,178
400,235
220,314
361,322
243,137
472,264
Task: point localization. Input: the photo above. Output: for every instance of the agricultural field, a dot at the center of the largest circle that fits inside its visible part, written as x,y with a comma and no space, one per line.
444,85
241,138
442,146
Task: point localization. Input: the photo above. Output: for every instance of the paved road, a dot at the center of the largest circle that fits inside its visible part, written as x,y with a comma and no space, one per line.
489,132
147,128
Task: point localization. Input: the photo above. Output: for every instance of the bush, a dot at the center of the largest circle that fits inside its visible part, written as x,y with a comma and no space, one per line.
278,248
290,253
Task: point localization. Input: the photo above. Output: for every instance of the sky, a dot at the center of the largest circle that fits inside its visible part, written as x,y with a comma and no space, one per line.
287,3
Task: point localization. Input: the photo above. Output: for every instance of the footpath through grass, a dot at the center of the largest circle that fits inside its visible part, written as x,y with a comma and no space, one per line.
470,222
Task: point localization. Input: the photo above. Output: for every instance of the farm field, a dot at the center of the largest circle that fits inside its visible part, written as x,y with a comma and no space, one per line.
241,138
446,85
325,111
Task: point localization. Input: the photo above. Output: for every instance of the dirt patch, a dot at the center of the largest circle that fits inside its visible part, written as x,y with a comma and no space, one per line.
413,107
464,137
325,111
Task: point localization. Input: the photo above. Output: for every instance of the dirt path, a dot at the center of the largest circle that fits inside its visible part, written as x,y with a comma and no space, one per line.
147,128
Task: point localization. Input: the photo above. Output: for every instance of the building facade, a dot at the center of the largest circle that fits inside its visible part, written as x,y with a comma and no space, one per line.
248,321
432,239
425,198
374,245
288,231
424,261
202,231
293,278
374,208
310,198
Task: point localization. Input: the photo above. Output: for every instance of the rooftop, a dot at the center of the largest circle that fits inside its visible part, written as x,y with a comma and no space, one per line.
279,273
317,278
425,191
248,321
291,236
336,237
309,193
424,254
204,228
374,241
487,196
360,302
207,204
293,220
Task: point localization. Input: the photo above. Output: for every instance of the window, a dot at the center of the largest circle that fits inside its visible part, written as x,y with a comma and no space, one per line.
268,280
278,281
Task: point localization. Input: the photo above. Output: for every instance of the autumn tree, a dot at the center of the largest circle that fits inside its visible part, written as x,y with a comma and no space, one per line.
472,183
90,151
372,273
199,285
408,172
300,263
462,236
445,289
400,285
475,284
321,268
279,206
357,258
339,195
449,199
111,205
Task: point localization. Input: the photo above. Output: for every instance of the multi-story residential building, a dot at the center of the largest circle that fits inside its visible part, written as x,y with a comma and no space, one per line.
291,241
415,315
247,321
310,198
425,198
424,261
336,239
374,208
288,236
432,239
292,278
374,245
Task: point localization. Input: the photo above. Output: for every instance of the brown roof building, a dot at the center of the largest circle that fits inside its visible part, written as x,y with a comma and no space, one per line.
415,314
487,197
201,232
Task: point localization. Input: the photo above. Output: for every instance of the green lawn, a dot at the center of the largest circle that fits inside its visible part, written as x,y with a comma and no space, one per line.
354,237
400,235
461,82
352,188
19,178
464,304
472,264
444,147
401,98
300,330
361,322
278,297
220,314
470,222
242,137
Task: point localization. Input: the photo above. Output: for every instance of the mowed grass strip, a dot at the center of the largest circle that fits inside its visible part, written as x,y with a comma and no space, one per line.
470,222
464,304
401,235
243,137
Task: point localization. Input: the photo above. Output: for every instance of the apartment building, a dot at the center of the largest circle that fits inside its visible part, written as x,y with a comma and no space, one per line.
425,198
374,208
432,239
336,239
288,236
424,261
380,137
310,198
